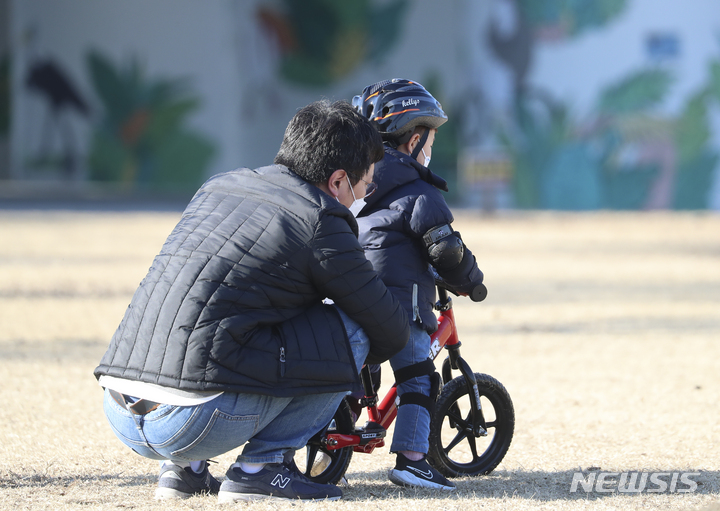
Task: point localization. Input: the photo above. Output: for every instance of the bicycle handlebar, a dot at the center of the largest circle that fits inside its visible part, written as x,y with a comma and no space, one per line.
477,294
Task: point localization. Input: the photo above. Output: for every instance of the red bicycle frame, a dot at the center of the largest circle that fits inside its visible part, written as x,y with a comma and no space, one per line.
382,415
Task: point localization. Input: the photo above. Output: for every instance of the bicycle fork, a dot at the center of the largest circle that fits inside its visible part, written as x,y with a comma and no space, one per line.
455,361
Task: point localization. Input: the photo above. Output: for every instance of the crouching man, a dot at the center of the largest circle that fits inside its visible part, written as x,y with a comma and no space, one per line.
227,341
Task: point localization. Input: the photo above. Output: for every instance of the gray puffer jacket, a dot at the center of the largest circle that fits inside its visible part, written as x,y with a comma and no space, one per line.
234,299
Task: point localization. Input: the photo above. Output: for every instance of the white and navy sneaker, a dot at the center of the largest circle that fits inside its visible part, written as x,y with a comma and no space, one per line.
276,481
181,483
418,474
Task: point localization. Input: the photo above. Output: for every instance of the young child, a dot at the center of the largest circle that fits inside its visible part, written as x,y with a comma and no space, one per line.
405,232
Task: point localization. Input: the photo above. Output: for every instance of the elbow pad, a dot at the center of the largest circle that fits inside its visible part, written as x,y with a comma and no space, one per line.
452,259
444,247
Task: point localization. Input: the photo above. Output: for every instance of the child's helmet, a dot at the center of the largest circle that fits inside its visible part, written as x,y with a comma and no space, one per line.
397,106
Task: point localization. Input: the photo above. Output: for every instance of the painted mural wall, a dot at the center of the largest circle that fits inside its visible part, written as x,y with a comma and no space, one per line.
4,89
121,94
293,52
599,104
160,95
560,104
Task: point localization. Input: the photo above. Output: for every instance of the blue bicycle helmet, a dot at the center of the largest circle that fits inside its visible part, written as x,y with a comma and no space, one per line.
397,106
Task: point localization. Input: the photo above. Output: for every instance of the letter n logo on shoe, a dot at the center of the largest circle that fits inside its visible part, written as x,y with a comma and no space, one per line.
280,481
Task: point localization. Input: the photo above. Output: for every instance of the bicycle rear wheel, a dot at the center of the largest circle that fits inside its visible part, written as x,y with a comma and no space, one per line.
320,464
454,449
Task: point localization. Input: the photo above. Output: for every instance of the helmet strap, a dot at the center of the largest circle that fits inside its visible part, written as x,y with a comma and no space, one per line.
396,142
420,144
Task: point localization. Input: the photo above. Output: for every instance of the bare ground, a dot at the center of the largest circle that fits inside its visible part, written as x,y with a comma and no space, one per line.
604,328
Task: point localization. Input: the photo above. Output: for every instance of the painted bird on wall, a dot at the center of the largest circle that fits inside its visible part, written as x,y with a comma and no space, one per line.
46,78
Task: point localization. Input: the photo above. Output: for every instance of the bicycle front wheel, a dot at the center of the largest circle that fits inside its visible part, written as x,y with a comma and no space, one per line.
454,448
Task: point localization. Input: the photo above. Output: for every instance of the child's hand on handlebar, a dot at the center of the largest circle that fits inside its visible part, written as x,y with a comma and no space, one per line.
475,290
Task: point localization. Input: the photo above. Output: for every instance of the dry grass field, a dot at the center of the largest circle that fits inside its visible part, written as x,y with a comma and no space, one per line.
604,328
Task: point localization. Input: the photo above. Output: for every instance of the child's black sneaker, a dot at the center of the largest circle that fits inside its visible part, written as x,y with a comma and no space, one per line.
418,474
275,481
180,483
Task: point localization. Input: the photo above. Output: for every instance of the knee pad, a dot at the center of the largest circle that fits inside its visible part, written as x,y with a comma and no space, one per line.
426,367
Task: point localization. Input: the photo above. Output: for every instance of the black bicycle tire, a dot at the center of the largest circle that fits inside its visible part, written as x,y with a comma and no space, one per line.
484,463
340,458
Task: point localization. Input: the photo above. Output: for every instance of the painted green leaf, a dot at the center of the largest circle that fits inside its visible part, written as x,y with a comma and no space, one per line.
306,71
385,28
325,40
163,92
315,25
168,118
641,90
4,95
575,15
591,13
572,180
692,131
694,180
179,159
628,188
142,139
110,87
533,149
107,157
714,86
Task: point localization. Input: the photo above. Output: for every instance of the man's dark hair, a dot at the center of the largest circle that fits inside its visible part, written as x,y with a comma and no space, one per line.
324,137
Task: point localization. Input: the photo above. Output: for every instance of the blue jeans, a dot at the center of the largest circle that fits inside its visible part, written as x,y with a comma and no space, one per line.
412,426
268,426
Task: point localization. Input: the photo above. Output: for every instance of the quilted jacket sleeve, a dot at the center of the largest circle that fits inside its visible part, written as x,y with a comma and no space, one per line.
430,210
341,271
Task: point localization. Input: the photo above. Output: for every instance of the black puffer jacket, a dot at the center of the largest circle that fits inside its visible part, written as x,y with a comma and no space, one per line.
234,299
406,205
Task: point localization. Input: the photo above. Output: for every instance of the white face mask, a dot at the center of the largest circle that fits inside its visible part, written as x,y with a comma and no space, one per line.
357,204
427,158
357,207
